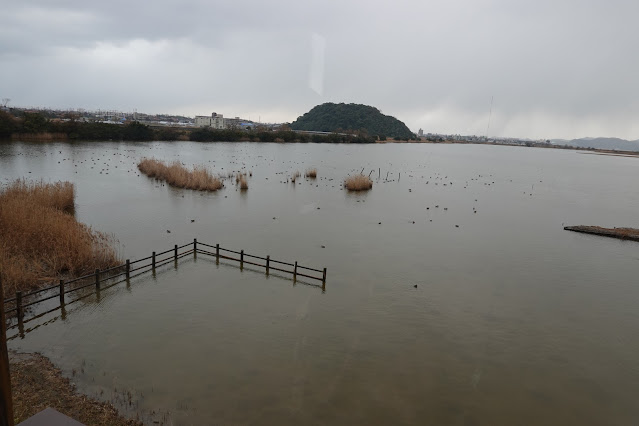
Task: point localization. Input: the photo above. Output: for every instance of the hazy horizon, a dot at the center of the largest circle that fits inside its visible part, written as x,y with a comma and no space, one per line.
555,70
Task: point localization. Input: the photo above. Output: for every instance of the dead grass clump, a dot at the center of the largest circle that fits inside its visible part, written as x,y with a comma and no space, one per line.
175,174
243,183
311,173
41,241
295,176
358,183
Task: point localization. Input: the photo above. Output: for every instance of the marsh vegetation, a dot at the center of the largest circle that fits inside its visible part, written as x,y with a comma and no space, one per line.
358,183
40,239
175,174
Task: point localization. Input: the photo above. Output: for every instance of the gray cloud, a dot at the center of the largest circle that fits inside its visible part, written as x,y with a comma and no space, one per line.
555,68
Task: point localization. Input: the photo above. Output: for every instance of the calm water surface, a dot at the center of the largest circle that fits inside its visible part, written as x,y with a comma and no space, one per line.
513,320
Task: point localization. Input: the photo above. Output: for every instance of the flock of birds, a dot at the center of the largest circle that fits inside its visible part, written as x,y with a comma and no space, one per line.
106,162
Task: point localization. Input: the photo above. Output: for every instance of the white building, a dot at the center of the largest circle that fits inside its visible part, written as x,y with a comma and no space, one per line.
215,121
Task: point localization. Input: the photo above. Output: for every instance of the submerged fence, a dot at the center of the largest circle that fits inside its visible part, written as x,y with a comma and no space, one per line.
15,306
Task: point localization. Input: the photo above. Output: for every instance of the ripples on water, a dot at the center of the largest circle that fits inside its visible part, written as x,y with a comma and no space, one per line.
513,320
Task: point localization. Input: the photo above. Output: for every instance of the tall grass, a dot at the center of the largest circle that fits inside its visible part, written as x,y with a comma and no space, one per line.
40,240
175,174
358,183
311,173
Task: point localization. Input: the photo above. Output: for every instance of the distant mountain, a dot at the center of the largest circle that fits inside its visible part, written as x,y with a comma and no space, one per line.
600,143
330,117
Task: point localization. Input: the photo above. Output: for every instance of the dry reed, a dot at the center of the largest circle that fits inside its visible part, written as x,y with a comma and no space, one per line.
295,176
243,183
175,174
311,173
41,241
358,183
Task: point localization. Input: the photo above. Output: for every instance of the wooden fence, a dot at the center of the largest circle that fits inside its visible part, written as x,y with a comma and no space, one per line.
15,306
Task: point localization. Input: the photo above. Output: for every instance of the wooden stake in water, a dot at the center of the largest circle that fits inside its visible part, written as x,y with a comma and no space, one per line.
19,306
62,292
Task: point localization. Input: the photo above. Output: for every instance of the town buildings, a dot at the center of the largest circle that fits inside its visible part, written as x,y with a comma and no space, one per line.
215,121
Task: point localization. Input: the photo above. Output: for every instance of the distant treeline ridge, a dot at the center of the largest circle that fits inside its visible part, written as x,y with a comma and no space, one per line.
37,126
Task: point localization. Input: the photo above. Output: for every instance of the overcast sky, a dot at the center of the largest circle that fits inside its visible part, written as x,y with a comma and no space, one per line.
555,68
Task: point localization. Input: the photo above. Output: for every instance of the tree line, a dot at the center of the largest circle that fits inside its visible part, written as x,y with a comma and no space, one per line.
34,124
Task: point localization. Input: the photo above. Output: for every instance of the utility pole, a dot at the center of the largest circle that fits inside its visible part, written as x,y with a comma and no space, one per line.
6,403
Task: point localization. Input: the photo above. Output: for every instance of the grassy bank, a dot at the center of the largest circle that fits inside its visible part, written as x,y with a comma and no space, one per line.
36,384
199,178
40,239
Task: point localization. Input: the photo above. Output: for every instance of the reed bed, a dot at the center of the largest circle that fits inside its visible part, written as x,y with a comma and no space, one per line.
311,173
243,183
358,183
175,174
40,239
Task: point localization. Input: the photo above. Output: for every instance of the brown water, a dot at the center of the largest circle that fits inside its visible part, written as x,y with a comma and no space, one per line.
513,321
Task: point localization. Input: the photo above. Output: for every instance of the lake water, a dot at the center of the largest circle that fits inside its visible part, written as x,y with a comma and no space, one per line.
513,320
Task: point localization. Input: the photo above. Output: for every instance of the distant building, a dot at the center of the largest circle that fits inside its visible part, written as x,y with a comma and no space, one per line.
420,133
215,121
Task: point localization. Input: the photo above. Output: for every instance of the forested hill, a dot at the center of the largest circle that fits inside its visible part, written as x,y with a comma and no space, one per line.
330,117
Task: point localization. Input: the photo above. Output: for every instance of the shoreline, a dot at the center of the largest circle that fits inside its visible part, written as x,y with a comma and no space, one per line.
36,384
581,150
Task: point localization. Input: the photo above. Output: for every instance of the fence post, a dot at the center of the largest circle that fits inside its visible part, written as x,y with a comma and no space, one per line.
268,263
97,279
217,252
19,305
241,259
6,401
295,272
175,252
153,261
61,292
128,268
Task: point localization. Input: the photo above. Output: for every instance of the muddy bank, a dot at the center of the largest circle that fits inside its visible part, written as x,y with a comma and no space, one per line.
621,233
37,384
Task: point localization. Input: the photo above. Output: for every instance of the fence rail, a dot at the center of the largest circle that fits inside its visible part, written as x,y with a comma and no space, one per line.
18,303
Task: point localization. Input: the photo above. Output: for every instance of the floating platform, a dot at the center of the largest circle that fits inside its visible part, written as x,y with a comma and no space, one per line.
621,233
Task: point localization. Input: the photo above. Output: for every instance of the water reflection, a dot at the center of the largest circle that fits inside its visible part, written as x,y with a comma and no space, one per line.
512,321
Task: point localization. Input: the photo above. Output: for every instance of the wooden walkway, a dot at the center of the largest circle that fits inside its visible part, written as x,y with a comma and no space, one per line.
50,417
620,233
